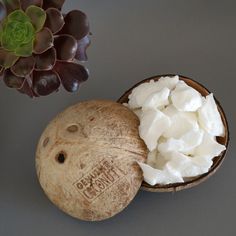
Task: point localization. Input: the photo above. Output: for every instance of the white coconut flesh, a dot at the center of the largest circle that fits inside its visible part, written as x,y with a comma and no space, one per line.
179,127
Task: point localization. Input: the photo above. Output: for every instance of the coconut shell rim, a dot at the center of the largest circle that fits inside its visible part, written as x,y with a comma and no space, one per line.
218,160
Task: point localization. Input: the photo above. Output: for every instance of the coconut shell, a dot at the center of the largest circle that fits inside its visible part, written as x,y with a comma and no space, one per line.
86,159
217,161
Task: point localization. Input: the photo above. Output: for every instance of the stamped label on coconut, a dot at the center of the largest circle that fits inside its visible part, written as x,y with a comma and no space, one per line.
98,180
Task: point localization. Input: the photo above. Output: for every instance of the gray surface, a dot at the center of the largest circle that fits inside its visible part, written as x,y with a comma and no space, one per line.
132,40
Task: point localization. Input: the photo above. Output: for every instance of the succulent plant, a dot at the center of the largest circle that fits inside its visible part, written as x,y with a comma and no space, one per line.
40,48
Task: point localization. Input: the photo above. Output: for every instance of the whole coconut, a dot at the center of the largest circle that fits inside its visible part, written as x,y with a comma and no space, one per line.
87,157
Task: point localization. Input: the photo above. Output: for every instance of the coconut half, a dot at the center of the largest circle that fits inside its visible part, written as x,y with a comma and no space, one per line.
184,104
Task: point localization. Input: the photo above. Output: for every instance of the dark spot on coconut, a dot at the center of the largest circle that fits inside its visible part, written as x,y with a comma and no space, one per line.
61,157
82,165
45,142
72,128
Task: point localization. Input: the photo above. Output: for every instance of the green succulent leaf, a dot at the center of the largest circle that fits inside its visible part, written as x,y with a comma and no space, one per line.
25,50
19,16
37,16
17,34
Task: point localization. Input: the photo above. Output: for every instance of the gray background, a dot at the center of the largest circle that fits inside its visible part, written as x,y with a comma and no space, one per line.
132,40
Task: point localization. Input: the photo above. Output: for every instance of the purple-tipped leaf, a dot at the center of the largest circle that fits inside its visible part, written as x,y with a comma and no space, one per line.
71,75
23,67
26,88
46,60
55,20
26,3
66,47
7,59
45,82
53,3
76,24
11,80
43,41
11,5
83,44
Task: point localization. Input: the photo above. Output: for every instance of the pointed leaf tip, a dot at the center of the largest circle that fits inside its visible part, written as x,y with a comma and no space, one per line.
26,88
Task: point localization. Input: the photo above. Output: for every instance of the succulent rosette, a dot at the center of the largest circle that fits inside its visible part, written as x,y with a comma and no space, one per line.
40,48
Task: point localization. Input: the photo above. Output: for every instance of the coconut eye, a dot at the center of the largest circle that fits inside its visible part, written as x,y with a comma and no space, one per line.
61,157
